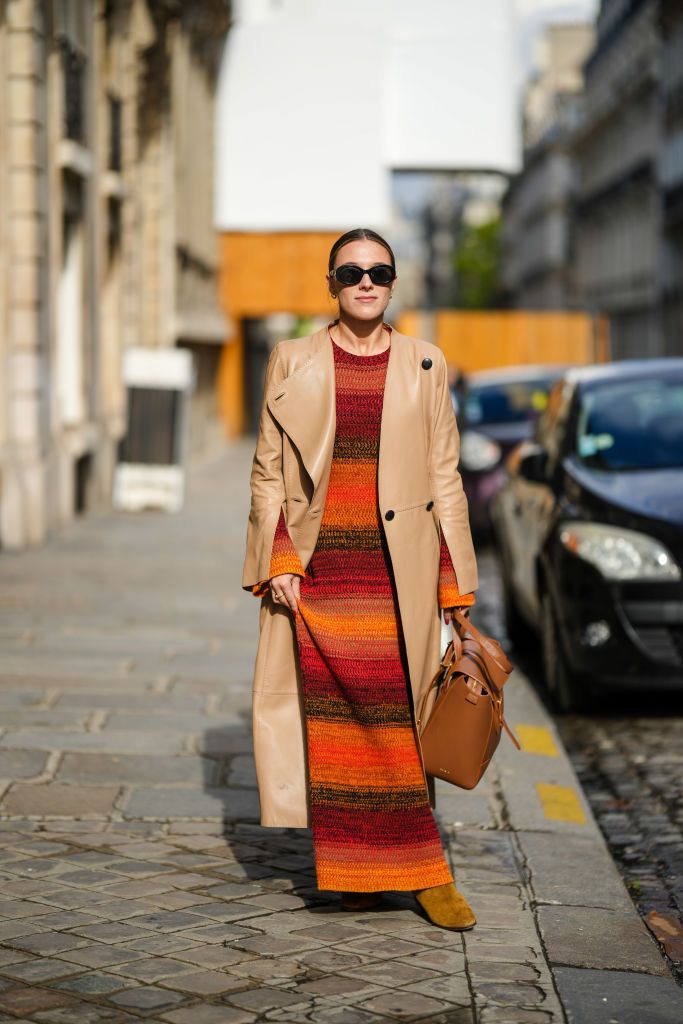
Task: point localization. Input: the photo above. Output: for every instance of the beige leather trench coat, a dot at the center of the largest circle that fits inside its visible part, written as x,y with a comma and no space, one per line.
418,464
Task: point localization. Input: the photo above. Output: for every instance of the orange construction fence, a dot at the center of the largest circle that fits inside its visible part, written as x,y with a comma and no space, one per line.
475,340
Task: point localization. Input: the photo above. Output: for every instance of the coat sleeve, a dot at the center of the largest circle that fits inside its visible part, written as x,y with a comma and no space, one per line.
283,558
267,486
446,483
449,591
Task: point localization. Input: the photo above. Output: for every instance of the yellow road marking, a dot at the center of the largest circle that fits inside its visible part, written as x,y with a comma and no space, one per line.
560,803
537,739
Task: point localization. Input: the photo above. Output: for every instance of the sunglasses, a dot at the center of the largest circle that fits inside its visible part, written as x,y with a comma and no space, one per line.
349,273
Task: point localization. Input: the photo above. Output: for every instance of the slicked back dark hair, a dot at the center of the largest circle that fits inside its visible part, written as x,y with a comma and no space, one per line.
359,234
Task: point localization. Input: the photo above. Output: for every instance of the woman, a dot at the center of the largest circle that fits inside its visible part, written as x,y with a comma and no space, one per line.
358,522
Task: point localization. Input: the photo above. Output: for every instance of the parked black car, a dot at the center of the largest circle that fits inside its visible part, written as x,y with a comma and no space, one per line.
589,531
496,410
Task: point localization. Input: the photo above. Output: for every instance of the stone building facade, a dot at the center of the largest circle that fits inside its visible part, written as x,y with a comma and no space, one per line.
616,233
618,216
616,229
106,234
537,264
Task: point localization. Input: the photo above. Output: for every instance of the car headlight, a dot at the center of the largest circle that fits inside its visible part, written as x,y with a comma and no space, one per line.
478,452
620,554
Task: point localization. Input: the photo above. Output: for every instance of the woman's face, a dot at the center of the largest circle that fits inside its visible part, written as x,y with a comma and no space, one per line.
365,300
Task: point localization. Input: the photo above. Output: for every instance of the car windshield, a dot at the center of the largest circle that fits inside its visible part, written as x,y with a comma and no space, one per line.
635,424
516,401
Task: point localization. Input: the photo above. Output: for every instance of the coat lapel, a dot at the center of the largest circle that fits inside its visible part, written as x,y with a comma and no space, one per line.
304,405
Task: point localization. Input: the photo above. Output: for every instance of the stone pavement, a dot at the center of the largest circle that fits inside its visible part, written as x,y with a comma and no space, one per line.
136,883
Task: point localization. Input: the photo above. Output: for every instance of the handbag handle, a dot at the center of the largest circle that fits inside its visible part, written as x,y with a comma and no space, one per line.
457,642
481,673
500,660
446,660
498,656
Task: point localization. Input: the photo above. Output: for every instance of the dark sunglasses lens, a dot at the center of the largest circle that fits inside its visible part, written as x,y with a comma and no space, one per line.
348,274
383,274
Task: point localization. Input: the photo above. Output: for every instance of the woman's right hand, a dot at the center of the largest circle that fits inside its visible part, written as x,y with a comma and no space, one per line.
285,590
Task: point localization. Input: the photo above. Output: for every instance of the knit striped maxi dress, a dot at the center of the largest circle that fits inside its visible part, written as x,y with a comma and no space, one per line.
373,828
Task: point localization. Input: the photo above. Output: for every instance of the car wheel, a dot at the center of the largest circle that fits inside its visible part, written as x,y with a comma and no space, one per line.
566,691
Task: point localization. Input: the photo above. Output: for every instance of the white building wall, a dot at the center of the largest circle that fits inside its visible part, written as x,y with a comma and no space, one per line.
319,101
298,137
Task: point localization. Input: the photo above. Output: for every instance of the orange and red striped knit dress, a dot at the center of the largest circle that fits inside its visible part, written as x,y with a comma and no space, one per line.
373,828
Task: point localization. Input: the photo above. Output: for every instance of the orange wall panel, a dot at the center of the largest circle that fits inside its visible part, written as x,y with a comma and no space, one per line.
483,340
264,273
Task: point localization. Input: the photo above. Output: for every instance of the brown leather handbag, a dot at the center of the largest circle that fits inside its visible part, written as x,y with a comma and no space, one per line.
461,732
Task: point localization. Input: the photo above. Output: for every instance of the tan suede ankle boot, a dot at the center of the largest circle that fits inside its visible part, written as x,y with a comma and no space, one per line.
446,907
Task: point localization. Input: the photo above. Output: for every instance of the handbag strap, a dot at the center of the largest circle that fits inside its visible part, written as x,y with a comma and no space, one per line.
474,653
493,651
437,678
476,669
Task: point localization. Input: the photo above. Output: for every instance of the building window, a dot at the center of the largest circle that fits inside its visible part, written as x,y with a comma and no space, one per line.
115,108
73,76
114,229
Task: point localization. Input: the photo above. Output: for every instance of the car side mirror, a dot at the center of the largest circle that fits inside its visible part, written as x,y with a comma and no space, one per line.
533,465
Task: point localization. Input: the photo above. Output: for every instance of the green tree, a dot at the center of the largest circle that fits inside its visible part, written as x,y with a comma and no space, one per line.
477,263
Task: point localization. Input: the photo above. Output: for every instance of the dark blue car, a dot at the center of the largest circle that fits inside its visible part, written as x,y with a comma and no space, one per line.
589,531
496,410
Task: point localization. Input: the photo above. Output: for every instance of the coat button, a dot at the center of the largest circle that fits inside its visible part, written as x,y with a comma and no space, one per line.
426,363
430,506
390,514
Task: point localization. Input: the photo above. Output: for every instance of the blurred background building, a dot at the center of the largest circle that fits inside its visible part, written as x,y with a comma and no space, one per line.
538,269
106,235
618,221
594,221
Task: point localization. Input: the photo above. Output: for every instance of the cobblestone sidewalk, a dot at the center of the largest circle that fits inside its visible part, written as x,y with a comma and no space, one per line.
136,883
